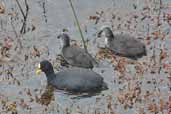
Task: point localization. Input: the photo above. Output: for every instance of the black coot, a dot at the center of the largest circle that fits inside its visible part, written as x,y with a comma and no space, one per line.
123,44
74,55
73,80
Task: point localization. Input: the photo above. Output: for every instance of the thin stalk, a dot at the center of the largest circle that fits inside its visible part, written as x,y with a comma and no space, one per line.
25,15
20,8
78,25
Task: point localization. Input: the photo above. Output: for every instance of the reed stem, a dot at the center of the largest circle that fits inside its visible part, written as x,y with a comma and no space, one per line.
78,25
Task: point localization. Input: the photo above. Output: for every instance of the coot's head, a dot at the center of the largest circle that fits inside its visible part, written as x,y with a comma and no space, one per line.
65,39
105,31
44,66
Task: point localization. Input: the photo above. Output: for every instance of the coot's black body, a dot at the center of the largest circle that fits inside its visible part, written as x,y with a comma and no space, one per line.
73,80
74,55
123,44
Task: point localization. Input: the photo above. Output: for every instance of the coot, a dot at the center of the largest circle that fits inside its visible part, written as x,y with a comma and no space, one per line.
123,44
73,80
74,55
